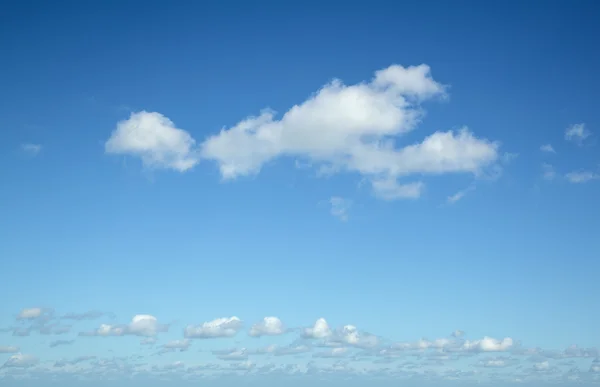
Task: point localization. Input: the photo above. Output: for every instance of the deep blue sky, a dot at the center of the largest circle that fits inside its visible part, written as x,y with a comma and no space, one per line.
86,227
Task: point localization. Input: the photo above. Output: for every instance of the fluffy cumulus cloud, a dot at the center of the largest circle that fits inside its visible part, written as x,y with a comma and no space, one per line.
269,326
140,325
319,330
341,128
155,139
345,352
221,327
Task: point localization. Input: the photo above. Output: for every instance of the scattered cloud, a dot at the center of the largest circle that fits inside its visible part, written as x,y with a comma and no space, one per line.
581,176
33,313
547,148
340,207
498,362
577,133
140,325
31,149
175,345
90,315
269,326
21,361
221,327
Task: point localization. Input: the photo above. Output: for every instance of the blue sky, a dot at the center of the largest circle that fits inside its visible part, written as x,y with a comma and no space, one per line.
187,189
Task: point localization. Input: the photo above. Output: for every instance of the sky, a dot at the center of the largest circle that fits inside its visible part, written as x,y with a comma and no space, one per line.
282,193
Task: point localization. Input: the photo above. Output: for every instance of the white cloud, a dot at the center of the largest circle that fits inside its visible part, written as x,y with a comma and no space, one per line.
269,326
30,313
350,335
32,149
354,128
320,330
21,361
8,349
547,148
488,344
340,207
577,133
333,353
155,139
458,333
460,194
221,327
548,172
232,354
177,344
581,176
140,325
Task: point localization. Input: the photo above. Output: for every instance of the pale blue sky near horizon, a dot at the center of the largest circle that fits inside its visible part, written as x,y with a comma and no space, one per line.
82,229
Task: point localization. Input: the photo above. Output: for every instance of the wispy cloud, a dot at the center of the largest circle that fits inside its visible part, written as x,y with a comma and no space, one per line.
460,194
548,172
577,133
31,149
340,207
547,148
581,176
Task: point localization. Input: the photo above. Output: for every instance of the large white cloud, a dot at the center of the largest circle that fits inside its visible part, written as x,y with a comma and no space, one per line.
221,327
341,128
353,128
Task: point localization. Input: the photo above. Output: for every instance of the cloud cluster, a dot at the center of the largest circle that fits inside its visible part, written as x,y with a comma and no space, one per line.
341,128
578,134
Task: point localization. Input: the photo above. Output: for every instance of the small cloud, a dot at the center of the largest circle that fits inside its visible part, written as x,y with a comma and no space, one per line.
175,345
21,361
61,342
458,333
581,176
31,149
508,157
577,133
460,194
269,326
548,172
319,330
340,207
141,325
90,315
221,327
8,349
547,148
156,140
